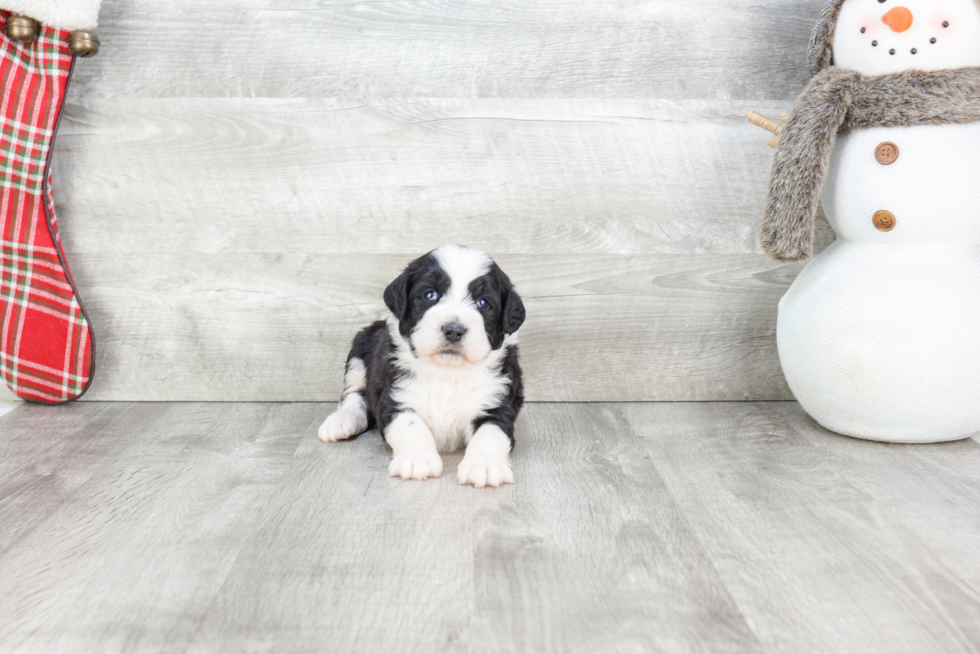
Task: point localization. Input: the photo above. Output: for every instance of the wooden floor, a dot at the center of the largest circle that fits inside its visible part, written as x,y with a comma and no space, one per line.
632,528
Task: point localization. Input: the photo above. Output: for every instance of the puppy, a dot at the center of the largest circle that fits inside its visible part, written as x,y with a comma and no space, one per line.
441,372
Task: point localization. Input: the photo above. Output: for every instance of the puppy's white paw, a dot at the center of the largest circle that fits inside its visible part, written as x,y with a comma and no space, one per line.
481,469
344,423
417,464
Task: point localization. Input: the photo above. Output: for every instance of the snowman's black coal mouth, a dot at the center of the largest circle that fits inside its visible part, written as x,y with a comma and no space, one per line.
914,51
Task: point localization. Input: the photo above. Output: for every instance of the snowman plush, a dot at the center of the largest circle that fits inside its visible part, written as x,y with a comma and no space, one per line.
879,336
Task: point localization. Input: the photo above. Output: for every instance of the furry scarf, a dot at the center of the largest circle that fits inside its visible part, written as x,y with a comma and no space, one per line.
839,100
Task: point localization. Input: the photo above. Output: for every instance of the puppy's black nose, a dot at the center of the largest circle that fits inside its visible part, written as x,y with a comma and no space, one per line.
454,332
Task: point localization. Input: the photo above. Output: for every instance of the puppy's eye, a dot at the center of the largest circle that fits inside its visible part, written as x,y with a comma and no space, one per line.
482,304
432,296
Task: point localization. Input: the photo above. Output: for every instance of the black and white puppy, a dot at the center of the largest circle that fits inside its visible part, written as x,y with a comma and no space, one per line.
442,372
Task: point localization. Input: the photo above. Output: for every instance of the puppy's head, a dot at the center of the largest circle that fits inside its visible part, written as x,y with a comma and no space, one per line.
454,305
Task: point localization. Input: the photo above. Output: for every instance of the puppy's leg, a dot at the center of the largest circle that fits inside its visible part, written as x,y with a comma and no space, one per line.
414,447
350,418
487,459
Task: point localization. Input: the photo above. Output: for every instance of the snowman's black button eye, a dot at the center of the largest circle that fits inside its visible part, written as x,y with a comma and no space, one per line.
914,50
945,23
863,30
932,40
892,51
874,43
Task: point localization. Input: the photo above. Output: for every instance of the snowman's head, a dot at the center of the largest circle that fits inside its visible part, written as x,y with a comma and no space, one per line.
876,37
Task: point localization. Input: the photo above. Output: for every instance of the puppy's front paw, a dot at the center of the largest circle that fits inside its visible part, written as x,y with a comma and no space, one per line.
481,469
344,423
416,464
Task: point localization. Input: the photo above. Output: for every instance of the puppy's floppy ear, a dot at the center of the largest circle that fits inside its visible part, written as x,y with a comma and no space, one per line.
396,295
512,312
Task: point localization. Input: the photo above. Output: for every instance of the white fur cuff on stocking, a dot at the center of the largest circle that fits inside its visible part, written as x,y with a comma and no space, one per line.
60,14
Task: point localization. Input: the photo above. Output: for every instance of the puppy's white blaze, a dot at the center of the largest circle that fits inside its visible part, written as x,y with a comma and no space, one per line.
447,398
355,379
463,265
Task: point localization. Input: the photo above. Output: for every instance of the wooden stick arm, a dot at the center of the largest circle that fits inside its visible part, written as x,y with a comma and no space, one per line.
765,122
769,124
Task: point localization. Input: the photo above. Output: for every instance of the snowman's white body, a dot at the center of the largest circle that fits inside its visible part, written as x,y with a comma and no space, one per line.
879,337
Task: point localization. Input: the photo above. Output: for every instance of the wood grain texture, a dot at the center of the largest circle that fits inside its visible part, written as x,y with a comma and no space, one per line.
589,552
121,521
43,467
335,565
237,181
559,563
810,529
333,176
452,48
259,236
676,528
254,326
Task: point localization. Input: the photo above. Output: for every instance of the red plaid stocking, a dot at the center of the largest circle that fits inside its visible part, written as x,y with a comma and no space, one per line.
46,347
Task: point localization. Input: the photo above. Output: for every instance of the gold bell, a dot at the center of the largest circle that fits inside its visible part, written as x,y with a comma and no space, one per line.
21,29
83,43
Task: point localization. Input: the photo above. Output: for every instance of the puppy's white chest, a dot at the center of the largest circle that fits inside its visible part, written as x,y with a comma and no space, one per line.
448,400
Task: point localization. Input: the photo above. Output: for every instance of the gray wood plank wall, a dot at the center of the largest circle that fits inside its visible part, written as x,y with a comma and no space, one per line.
237,181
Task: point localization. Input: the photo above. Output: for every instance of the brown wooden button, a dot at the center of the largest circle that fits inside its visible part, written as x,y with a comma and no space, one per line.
884,221
886,153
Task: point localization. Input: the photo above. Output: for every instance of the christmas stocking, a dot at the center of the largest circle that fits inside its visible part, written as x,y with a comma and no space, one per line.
46,346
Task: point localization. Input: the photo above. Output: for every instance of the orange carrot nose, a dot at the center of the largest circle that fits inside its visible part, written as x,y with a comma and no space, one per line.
899,19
